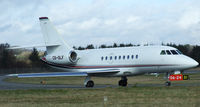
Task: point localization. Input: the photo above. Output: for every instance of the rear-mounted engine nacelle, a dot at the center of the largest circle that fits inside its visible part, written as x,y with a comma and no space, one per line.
73,57
70,58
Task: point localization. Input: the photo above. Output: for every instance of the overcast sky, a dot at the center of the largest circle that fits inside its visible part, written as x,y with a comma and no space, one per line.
83,22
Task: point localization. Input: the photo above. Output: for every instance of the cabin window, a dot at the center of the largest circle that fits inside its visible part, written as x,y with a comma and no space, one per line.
162,52
136,56
132,56
119,57
124,57
106,58
115,57
102,58
110,57
174,52
128,57
168,52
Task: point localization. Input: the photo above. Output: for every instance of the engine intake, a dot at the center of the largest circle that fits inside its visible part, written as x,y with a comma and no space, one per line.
73,56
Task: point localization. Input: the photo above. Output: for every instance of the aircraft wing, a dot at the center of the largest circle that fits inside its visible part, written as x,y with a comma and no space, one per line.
53,74
62,74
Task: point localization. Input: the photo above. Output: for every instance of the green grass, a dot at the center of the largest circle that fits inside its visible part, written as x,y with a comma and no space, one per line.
117,97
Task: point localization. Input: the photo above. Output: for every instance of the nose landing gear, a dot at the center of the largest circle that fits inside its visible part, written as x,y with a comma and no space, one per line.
167,83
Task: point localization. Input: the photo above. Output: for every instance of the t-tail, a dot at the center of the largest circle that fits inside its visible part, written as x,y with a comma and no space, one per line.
58,51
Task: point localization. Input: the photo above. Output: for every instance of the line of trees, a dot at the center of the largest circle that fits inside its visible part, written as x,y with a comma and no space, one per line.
8,58
115,45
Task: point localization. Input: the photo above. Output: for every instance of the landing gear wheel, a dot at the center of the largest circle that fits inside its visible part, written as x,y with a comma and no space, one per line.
123,83
120,82
167,83
90,83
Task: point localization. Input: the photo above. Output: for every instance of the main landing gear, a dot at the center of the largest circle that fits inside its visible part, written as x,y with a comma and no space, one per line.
88,82
123,81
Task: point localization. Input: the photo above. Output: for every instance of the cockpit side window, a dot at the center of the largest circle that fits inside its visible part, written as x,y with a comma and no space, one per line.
162,52
168,52
179,52
174,52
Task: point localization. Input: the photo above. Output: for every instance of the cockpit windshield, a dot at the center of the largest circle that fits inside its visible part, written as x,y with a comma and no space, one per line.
170,52
174,52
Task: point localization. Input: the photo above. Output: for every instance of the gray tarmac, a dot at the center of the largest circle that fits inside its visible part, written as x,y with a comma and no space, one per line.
17,86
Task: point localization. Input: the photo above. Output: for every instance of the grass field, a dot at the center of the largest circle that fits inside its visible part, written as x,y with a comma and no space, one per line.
116,97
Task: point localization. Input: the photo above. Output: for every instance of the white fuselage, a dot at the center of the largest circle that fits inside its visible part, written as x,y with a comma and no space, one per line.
129,61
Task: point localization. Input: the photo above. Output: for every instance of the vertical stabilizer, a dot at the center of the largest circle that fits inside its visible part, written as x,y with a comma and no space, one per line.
53,41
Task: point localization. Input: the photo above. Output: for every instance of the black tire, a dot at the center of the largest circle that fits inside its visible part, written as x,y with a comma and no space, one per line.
90,84
123,83
120,83
167,83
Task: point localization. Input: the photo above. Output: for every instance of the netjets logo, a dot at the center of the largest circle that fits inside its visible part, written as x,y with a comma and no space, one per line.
45,22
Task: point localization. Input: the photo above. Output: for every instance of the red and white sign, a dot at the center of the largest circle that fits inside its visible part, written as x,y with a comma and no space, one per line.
176,77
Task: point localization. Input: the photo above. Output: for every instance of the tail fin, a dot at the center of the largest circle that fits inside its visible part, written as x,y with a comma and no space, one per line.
53,41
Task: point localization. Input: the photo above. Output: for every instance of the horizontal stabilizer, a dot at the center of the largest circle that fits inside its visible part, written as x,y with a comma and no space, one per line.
32,46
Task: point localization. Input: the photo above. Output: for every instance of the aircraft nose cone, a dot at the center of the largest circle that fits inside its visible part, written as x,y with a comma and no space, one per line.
189,62
193,63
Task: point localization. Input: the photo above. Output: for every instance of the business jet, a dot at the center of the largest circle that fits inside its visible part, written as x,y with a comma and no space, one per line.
110,62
